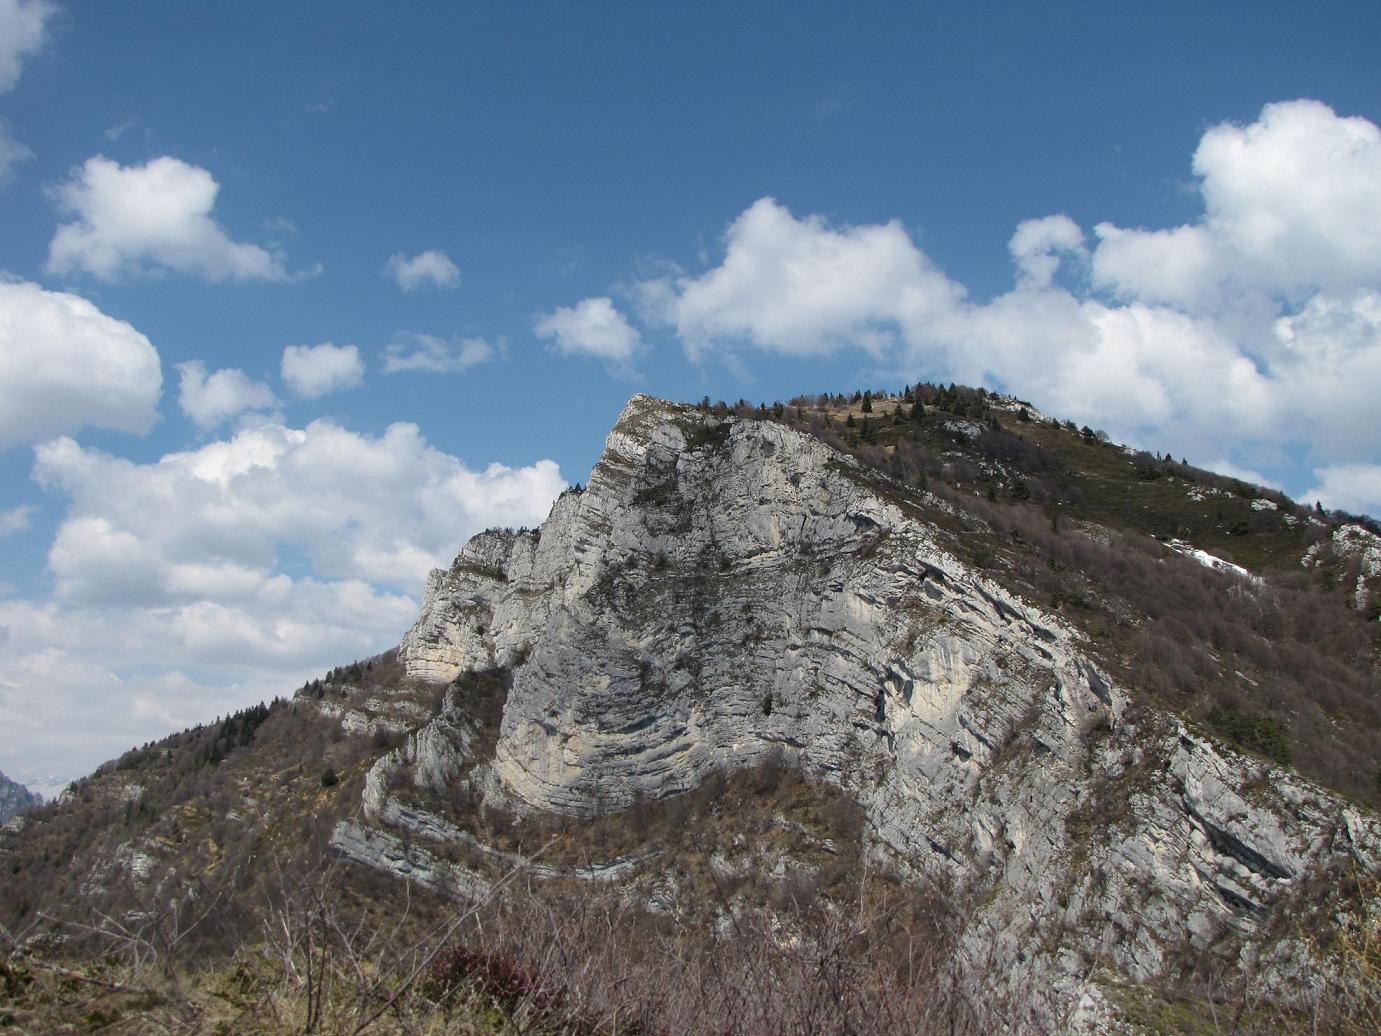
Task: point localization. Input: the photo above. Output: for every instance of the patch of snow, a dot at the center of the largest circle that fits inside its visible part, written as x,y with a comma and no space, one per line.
1262,504
1208,560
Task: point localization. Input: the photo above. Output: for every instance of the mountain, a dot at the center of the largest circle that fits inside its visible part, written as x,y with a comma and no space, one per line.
897,713
14,798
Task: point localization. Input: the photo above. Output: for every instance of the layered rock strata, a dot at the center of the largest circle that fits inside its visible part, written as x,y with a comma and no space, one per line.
725,589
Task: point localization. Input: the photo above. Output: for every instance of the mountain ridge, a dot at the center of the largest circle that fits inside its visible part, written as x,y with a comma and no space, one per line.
892,666
975,703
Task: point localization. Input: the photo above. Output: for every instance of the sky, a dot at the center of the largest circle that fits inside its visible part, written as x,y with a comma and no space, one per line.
295,299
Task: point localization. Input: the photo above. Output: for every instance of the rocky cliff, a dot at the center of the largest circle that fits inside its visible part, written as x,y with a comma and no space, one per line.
14,798
725,590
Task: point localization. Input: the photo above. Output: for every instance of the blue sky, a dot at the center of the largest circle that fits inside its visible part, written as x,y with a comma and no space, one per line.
283,285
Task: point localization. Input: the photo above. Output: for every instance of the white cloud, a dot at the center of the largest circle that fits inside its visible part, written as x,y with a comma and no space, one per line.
1242,474
1292,203
1348,487
12,152
143,220
1251,335
22,27
15,520
1328,359
430,268
1296,196
210,579
1156,265
210,399
592,327
383,509
316,370
79,685
65,365
804,288
415,352
1037,245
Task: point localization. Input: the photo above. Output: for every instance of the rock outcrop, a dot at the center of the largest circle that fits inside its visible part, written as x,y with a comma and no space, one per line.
726,589
1360,550
14,798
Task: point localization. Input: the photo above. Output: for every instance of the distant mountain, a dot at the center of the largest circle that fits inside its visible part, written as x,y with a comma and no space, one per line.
14,798
910,712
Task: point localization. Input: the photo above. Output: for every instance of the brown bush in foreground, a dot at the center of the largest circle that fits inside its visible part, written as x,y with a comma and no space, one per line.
327,960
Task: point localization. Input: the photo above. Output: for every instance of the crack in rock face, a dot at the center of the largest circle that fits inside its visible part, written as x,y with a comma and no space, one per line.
724,589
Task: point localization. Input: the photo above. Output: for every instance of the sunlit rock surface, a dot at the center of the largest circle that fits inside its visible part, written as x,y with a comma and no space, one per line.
724,589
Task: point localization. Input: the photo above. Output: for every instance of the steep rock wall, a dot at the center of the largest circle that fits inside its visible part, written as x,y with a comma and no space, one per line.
725,589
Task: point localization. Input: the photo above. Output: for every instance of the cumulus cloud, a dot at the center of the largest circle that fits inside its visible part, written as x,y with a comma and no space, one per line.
209,399
1292,203
317,370
15,520
1348,487
209,521
148,219
592,327
416,352
1242,474
12,152
64,365
1253,332
209,579
431,268
1157,265
804,288
1038,244
79,685
23,24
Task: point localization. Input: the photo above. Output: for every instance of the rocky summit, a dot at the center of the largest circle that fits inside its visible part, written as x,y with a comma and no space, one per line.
921,712
725,591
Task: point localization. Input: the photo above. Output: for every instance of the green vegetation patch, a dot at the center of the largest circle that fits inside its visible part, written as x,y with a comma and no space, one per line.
1254,731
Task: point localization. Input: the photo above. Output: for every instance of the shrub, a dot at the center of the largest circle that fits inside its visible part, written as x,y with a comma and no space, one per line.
1253,731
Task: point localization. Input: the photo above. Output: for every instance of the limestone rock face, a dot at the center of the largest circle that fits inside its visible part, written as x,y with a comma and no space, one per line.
1361,548
723,589
14,798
